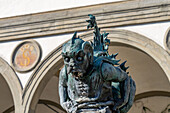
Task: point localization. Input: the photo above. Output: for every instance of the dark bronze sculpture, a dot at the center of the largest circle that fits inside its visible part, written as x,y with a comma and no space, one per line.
92,81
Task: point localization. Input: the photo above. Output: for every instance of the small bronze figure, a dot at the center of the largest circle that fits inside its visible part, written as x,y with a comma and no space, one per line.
92,81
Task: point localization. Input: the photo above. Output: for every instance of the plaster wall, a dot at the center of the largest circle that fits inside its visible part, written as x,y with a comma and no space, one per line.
20,7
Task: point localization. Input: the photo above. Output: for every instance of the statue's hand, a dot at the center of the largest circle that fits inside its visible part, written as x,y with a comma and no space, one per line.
131,97
125,103
70,107
92,21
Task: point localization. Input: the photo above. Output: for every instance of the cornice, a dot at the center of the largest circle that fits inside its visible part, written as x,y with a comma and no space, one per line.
131,12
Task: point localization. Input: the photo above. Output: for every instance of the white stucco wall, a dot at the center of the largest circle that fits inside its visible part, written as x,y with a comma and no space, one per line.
20,7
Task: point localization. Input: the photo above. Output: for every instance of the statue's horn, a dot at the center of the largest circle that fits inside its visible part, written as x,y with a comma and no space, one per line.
74,37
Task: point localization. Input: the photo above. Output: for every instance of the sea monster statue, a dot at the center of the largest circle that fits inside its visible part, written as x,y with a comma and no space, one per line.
92,81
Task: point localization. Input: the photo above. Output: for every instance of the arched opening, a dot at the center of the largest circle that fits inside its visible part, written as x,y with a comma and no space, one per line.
143,68
10,88
151,81
152,102
141,53
6,97
49,99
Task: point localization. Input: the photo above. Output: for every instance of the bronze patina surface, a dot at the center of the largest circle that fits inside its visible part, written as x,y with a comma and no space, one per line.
92,81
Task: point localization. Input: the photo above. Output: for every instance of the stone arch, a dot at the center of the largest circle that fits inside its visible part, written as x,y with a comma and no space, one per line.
48,103
152,93
13,82
39,79
52,63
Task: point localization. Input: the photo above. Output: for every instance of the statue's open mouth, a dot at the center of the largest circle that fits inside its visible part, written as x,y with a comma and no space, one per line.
75,71
77,74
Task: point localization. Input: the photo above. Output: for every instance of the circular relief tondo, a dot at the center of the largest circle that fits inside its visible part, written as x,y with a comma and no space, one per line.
26,56
167,40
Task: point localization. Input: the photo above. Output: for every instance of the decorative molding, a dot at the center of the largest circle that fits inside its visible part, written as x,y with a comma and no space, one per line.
54,104
130,12
151,94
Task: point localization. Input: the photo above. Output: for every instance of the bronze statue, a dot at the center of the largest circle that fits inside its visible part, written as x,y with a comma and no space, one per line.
92,81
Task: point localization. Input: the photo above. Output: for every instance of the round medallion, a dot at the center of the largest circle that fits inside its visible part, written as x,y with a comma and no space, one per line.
26,56
167,40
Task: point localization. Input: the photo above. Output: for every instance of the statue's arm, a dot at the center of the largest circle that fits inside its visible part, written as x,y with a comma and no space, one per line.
112,73
128,105
65,101
115,74
63,87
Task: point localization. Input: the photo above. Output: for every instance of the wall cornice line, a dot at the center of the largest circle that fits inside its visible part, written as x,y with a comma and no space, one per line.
70,20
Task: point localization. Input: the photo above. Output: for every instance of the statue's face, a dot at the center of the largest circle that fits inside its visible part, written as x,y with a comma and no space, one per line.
75,59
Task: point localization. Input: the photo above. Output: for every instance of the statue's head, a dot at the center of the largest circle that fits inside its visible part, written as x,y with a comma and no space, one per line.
78,55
